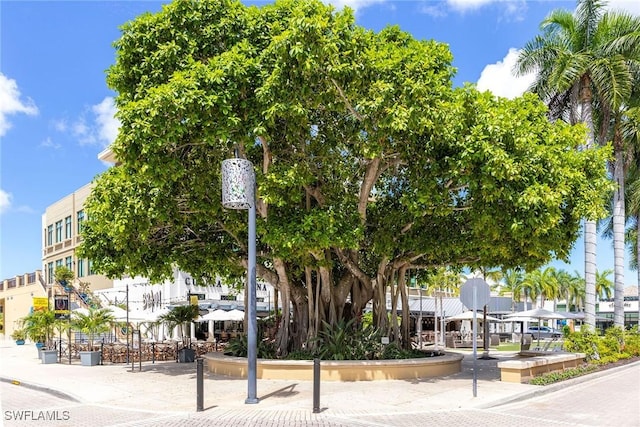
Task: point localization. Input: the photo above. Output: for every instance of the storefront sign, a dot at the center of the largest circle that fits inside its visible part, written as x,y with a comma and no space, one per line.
61,306
40,303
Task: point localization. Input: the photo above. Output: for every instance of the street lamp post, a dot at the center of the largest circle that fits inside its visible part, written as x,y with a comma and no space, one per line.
238,192
127,294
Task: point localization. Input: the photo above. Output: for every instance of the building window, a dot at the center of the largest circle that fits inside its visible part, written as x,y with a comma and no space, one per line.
67,227
80,268
50,235
68,261
80,220
59,231
90,267
59,263
228,298
50,272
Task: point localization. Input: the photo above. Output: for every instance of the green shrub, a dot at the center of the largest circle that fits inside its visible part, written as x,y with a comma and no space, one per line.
553,377
631,344
585,341
239,347
301,355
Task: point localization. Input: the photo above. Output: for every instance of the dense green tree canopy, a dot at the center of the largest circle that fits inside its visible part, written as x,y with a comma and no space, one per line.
368,162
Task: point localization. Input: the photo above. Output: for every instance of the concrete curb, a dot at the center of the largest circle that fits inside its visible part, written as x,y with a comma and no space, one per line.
556,386
44,389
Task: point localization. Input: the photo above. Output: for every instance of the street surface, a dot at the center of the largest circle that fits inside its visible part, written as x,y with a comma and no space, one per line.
608,400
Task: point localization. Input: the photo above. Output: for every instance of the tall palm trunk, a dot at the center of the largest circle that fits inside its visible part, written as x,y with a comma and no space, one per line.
638,263
590,239
618,236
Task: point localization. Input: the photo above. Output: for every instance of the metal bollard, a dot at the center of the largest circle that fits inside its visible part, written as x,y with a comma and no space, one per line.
199,384
316,385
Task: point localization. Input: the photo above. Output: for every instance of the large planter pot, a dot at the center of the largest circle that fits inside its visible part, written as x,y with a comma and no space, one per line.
89,358
186,355
39,345
19,342
49,356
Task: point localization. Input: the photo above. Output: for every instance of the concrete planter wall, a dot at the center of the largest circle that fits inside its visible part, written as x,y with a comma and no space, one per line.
89,358
49,356
347,370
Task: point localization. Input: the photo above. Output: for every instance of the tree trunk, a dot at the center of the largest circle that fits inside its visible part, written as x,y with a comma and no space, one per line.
282,337
300,322
312,305
406,321
586,117
638,263
618,234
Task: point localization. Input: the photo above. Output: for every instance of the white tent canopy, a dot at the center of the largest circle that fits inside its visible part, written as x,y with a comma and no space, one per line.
468,315
538,313
221,315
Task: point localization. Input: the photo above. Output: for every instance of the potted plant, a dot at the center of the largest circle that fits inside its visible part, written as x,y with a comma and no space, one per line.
95,321
19,335
181,316
38,327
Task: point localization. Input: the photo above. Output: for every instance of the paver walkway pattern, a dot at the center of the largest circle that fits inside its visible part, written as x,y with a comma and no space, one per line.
164,394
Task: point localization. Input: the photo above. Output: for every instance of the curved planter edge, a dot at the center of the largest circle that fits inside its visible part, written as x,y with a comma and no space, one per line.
333,370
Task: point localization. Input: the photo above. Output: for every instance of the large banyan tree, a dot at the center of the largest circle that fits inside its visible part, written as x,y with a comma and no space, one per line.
368,162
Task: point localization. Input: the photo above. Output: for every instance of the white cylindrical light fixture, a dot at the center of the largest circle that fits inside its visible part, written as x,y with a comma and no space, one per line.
238,184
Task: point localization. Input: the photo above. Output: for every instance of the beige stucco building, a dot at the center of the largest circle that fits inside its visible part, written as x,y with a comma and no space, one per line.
62,223
16,299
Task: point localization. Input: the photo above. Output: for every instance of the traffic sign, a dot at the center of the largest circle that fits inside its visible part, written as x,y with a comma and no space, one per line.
481,290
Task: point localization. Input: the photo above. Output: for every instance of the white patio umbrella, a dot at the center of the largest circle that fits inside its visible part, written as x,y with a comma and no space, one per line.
235,315
216,316
81,310
153,316
116,311
221,315
538,314
468,315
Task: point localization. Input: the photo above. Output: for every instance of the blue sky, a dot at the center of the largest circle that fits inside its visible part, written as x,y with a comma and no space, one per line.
56,111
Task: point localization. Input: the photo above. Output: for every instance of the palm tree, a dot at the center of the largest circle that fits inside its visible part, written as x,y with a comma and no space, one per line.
96,321
604,286
512,284
181,316
633,197
582,57
541,284
576,292
38,326
566,285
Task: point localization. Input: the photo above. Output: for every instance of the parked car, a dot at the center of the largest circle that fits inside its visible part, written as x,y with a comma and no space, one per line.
544,332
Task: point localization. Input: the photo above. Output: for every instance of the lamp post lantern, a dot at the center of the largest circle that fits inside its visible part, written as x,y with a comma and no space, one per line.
238,192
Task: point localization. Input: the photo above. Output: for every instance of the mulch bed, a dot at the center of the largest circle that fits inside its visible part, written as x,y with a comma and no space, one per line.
617,363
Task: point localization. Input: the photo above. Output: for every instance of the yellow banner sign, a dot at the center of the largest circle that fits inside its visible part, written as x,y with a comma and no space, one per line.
40,303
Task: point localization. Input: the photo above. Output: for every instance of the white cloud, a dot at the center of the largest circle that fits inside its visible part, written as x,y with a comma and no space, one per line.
83,132
354,4
106,120
10,103
500,80
631,6
48,143
60,125
511,10
464,5
5,201
102,129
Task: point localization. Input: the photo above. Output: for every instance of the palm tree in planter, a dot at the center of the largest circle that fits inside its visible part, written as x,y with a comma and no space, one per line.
182,316
38,327
18,335
95,321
